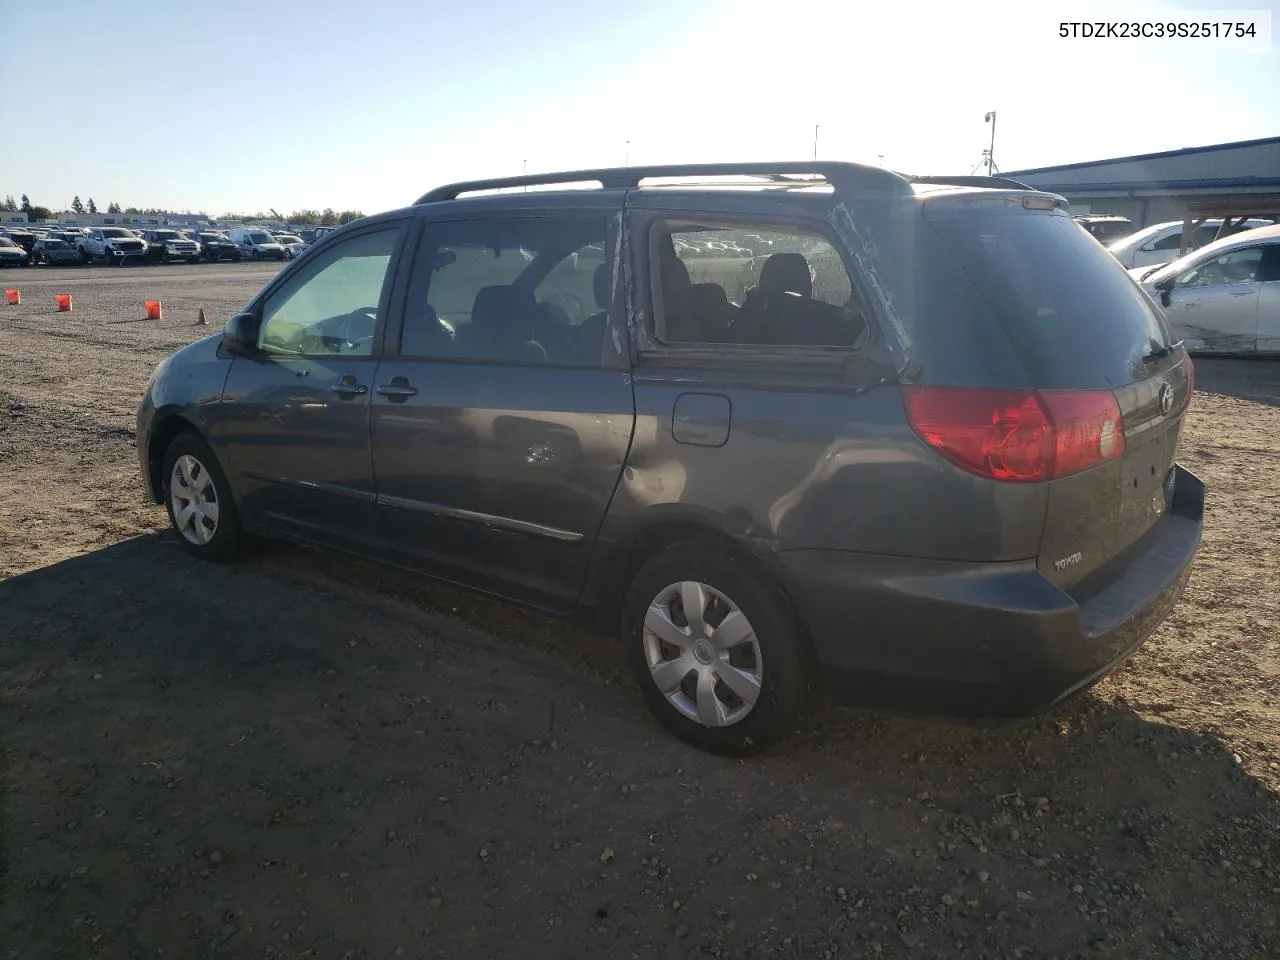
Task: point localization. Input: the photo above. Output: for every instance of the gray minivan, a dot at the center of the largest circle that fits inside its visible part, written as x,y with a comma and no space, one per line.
912,439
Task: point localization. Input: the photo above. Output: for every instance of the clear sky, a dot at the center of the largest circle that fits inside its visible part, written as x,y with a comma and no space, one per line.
250,104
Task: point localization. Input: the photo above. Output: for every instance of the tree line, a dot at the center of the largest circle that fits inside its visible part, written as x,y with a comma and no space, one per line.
328,217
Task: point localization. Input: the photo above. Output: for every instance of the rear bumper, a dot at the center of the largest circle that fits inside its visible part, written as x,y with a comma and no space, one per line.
970,640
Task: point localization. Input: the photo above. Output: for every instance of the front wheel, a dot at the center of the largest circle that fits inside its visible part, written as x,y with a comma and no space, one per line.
719,656
198,499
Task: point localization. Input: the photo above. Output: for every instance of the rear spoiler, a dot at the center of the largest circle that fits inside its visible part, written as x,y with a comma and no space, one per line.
998,183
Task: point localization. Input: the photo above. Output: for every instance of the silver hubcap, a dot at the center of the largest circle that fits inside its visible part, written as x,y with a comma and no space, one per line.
703,653
194,500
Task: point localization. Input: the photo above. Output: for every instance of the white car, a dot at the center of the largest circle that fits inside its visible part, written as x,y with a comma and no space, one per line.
256,244
1225,297
1160,243
293,246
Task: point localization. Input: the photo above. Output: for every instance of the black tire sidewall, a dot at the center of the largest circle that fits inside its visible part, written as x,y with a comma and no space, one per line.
783,649
226,539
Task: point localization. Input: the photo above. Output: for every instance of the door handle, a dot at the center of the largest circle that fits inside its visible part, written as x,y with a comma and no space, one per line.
397,389
347,387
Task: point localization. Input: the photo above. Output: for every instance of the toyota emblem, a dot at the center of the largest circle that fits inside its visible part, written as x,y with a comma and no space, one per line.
1166,397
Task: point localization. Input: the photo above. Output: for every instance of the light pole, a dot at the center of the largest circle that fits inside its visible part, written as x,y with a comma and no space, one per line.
815,143
991,150
524,170
626,156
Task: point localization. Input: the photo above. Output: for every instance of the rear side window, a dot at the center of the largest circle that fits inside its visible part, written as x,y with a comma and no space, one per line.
752,285
1074,316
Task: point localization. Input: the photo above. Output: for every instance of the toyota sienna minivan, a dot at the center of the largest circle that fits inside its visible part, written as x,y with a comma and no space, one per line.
908,440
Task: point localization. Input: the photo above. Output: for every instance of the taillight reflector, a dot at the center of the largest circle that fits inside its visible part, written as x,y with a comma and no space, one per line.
1018,436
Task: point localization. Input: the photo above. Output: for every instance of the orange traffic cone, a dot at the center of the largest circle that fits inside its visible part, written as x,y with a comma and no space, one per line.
13,297
200,320
153,310
63,301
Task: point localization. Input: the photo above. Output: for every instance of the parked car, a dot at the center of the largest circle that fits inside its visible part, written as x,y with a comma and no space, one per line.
164,245
12,255
1225,297
111,245
54,250
256,244
1160,243
1105,228
293,246
216,245
22,237
901,487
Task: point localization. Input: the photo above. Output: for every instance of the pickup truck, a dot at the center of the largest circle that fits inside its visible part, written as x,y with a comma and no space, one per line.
166,245
111,245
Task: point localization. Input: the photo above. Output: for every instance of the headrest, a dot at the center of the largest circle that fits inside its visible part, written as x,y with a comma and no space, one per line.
786,273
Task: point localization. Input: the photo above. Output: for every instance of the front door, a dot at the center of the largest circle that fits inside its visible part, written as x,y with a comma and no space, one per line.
1216,302
296,418
503,413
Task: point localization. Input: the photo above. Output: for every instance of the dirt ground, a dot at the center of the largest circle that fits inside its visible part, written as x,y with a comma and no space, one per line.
305,756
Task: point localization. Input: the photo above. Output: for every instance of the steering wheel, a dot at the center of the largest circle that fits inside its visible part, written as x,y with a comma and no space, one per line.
538,348
352,332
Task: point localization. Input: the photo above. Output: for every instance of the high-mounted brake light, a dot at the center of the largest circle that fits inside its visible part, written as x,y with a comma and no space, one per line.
1018,436
1038,203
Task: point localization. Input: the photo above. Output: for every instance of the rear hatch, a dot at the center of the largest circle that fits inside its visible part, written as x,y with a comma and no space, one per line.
1100,363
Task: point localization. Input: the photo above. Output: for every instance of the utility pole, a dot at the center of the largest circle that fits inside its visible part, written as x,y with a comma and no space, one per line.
815,143
626,156
525,171
991,150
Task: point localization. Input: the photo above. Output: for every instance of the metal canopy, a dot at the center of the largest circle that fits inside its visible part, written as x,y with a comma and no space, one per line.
1232,209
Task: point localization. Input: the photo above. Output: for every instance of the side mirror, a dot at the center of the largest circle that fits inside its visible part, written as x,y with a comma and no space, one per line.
240,335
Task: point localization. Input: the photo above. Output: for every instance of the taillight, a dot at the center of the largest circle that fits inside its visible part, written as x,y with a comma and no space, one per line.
1018,436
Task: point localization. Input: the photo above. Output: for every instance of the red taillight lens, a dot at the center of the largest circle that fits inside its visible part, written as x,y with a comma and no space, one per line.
1018,436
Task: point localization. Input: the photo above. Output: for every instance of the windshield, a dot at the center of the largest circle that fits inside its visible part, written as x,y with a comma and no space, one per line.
117,232
167,235
260,238
6,242
212,236
1170,270
1074,314
54,244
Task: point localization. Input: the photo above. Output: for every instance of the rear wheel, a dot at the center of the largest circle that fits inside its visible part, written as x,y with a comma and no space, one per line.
198,499
719,657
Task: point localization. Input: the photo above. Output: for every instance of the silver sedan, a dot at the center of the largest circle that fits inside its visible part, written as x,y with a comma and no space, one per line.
1225,297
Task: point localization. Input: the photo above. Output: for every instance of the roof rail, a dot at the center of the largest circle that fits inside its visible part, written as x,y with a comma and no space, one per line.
1003,183
840,175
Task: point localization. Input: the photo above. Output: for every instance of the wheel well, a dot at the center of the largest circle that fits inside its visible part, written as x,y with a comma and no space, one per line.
655,537
163,434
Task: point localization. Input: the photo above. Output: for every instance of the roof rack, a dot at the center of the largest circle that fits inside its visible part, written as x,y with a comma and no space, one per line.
840,175
1003,183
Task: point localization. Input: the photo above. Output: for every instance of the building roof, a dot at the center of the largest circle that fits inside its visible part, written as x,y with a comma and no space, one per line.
1182,152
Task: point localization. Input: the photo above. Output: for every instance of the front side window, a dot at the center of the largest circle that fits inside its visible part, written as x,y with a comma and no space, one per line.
522,290
1170,242
752,285
1238,266
331,307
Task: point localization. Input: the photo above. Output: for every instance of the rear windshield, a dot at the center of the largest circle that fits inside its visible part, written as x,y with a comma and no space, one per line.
1074,315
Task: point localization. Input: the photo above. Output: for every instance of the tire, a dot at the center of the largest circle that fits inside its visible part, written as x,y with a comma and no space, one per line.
772,663
84,255
221,539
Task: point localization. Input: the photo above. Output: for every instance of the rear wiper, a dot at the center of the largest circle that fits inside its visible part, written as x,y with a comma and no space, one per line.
1155,356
